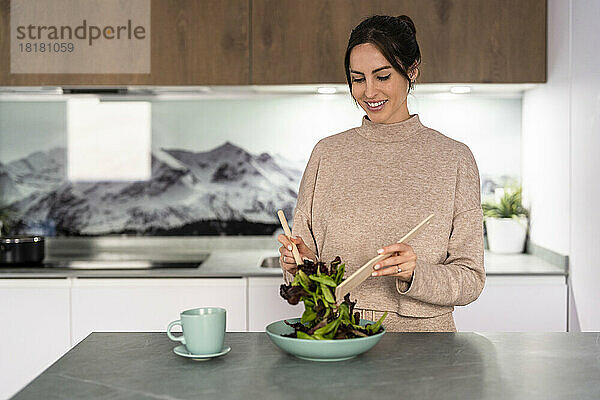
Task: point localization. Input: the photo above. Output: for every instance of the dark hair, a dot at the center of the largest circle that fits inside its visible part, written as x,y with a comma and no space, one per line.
395,37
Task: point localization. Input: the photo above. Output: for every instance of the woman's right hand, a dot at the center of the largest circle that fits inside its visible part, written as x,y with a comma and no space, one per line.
286,258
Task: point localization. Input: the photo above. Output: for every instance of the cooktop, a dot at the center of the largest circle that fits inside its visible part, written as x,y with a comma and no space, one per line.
127,264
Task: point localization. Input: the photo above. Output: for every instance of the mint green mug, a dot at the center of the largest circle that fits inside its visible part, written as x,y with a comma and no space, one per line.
203,330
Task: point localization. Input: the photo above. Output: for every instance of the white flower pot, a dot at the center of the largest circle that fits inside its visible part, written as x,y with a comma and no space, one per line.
506,235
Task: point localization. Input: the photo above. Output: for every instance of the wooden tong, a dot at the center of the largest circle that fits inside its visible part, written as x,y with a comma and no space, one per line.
360,275
288,233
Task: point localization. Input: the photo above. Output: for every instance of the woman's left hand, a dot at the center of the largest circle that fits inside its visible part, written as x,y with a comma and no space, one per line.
401,264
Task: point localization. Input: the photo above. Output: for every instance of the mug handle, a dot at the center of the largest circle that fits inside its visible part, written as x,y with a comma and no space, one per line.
171,336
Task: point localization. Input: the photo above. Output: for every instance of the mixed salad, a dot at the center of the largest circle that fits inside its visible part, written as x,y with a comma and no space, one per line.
314,284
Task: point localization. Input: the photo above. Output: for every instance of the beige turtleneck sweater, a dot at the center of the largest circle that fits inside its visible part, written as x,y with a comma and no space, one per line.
366,187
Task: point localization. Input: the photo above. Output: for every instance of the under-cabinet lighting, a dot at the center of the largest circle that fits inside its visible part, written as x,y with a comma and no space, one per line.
326,90
460,89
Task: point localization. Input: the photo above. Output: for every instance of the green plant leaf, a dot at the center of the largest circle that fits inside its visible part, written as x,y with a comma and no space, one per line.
509,206
308,315
324,279
327,294
302,335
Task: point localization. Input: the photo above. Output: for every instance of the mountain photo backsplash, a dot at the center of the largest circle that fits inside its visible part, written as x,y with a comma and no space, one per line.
224,191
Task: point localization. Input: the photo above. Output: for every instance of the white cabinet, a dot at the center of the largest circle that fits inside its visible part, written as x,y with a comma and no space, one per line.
517,304
148,305
35,329
265,305
507,304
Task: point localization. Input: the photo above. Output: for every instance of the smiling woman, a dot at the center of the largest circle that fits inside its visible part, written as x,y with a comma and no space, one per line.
381,69
365,188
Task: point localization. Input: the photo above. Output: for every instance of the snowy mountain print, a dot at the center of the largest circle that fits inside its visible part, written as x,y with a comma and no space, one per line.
224,191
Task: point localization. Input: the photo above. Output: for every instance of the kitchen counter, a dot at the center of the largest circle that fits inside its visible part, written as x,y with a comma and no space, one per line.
520,264
245,263
401,365
220,264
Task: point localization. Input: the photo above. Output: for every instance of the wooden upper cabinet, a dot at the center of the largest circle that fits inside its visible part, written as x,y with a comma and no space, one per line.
240,42
488,41
200,42
193,42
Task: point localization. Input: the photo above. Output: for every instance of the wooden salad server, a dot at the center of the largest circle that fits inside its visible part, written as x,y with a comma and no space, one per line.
360,275
288,233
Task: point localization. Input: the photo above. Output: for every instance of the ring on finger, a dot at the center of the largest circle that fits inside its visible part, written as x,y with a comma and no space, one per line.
399,269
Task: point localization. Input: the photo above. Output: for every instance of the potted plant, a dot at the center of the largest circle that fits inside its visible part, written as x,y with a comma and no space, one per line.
506,222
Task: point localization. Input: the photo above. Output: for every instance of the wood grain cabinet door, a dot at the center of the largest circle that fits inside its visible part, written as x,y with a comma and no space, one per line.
193,42
239,42
484,41
201,42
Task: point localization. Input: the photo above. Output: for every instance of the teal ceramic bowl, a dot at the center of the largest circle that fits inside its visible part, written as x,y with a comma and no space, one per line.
320,350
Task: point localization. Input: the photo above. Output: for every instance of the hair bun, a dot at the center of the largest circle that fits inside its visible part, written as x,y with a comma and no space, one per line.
409,22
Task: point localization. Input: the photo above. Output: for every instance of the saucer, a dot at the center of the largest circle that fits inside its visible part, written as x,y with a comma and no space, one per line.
183,352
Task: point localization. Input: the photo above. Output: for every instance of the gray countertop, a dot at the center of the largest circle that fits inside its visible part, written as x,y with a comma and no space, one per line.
402,365
220,264
520,264
224,263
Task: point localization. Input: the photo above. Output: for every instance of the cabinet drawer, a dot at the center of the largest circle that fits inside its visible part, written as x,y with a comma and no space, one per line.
517,304
148,305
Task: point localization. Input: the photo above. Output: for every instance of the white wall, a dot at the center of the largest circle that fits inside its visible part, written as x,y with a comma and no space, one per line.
585,147
561,139
545,140
491,127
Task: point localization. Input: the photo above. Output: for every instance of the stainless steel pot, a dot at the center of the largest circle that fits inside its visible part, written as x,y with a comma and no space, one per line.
21,250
